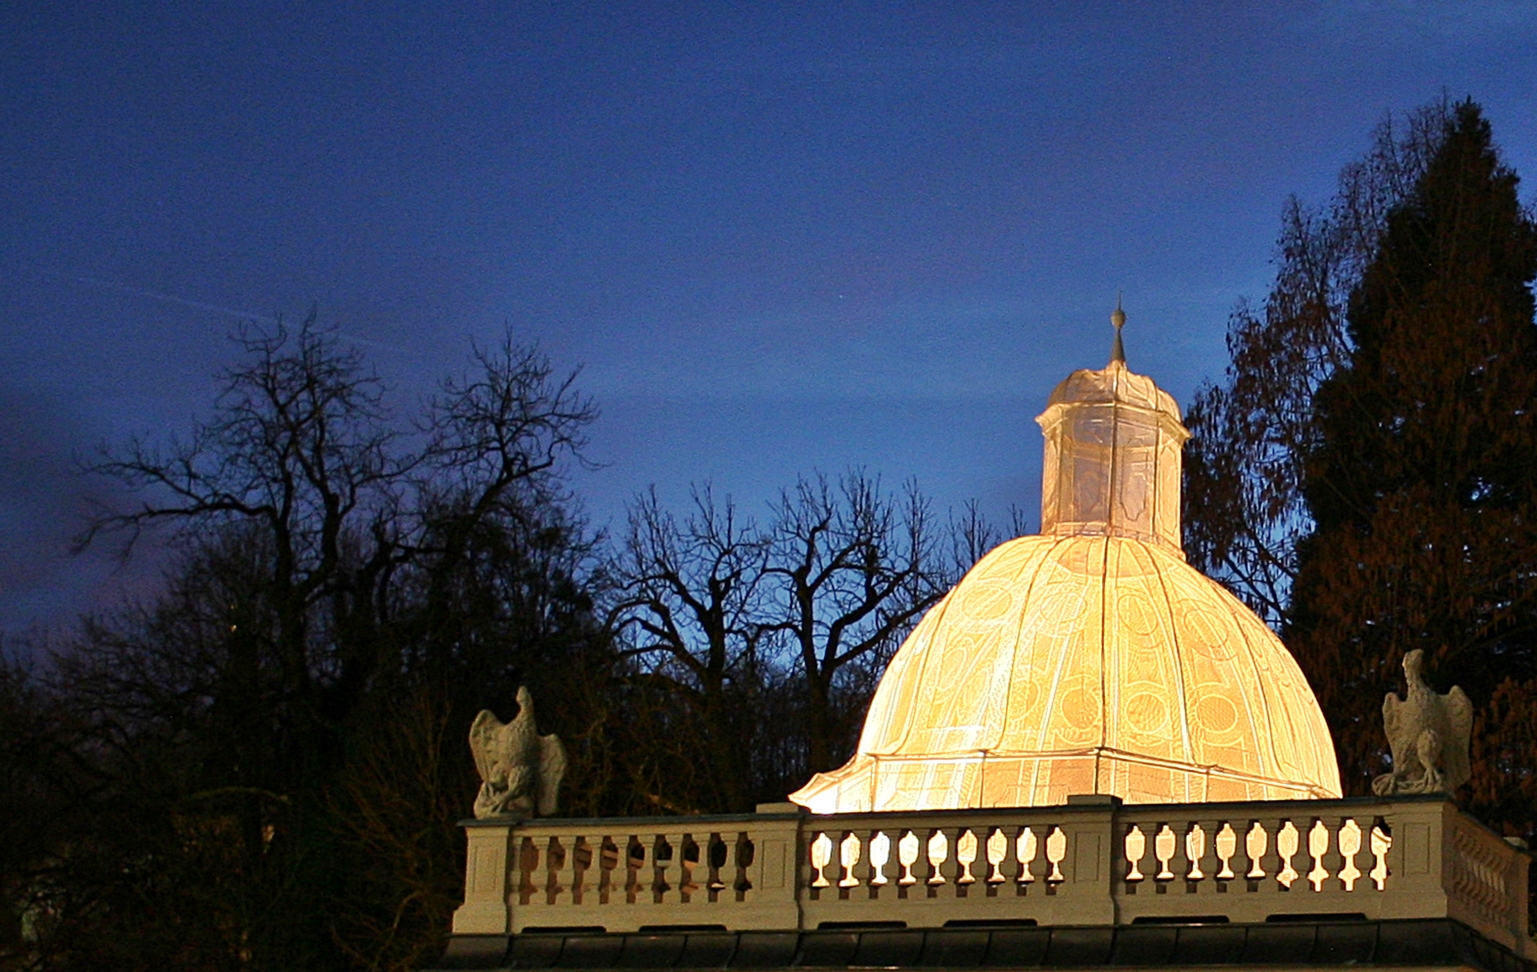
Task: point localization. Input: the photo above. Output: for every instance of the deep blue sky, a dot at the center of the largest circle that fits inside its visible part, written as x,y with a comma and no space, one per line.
778,236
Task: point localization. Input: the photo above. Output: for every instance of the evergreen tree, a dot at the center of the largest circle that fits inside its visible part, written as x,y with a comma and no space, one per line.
1421,477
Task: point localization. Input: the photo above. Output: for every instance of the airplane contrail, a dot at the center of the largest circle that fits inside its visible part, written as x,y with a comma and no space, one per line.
171,298
218,309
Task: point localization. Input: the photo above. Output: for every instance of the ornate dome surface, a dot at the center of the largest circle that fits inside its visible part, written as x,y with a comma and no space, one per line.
1080,664
1091,659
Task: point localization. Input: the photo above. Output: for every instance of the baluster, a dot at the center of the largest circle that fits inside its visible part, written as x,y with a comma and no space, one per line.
600,874
588,860
689,862
923,869
1195,849
636,881
591,863
966,847
821,856
1135,848
567,871
1226,846
716,855
1345,857
1027,847
679,874
939,855
1350,847
1381,842
1163,851
1287,842
907,855
1256,845
882,861
528,869
1056,853
996,852
547,880
744,853
703,875
606,862
694,858
1318,849
848,855
667,851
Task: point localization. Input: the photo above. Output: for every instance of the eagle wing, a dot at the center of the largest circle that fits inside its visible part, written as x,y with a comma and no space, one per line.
552,769
1454,752
488,744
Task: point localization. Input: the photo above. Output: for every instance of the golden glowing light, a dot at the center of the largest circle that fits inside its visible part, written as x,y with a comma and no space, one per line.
1091,659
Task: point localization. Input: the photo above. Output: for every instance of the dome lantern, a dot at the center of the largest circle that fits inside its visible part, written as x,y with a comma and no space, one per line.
1112,463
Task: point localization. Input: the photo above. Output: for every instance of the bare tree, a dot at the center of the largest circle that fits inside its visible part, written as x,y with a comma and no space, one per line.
773,637
850,570
688,616
973,535
336,564
302,451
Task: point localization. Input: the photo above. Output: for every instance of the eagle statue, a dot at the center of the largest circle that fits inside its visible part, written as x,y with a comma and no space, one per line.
520,770
1428,734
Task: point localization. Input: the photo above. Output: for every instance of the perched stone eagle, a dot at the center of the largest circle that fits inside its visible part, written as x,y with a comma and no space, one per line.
520,770
1428,734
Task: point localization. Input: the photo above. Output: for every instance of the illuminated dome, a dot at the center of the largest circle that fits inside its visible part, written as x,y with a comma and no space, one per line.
1091,659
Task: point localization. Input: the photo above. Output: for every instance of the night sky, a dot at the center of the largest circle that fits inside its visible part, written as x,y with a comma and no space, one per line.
778,237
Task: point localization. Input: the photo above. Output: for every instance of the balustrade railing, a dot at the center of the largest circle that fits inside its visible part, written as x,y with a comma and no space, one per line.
1090,862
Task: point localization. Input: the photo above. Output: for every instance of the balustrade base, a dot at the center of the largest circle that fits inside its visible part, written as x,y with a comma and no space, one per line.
1403,944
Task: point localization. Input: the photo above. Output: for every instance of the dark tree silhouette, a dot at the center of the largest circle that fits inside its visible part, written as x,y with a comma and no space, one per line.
850,571
265,736
688,616
1422,481
1364,477
771,637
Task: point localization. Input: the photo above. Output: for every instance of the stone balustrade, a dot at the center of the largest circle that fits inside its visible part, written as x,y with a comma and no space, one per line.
1091,862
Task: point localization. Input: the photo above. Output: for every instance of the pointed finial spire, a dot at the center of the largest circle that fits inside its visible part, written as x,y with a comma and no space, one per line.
1117,350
